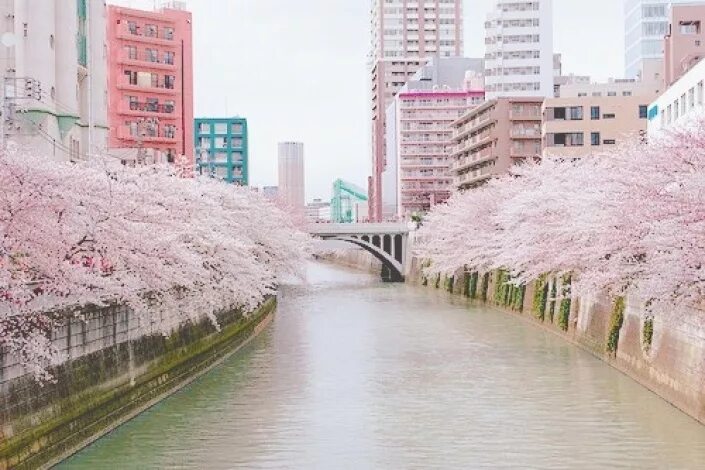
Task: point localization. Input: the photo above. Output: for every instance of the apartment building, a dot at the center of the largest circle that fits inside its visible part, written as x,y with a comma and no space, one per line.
418,130
684,42
54,76
580,126
680,103
404,34
493,137
222,149
150,57
645,25
421,143
519,57
292,186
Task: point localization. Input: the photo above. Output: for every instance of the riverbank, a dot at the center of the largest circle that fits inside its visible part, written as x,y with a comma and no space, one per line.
109,380
664,353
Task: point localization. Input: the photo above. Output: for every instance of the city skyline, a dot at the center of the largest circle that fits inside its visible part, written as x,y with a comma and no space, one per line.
286,82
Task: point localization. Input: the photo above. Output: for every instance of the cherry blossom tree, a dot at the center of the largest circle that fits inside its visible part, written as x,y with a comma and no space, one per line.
629,220
172,249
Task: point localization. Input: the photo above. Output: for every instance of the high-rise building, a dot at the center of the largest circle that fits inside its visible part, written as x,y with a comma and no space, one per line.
519,57
53,69
292,186
419,134
645,25
683,44
494,136
222,148
404,34
150,93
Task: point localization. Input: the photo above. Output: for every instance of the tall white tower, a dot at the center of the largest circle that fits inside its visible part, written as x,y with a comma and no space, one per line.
292,185
519,49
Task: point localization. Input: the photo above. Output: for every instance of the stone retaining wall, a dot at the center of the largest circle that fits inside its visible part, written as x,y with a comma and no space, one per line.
107,380
671,363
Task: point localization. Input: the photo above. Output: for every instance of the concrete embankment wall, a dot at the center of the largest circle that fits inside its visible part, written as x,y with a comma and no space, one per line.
663,351
107,380
354,258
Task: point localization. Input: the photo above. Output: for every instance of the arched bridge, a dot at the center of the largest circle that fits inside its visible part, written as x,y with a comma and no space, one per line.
385,241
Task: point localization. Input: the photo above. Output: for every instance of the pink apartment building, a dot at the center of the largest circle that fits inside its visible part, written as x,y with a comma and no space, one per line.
404,34
422,145
685,40
493,137
150,84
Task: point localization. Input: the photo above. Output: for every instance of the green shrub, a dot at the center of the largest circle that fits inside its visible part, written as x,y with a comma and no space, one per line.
472,291
540,294
564,310
552,305
615,325
450,282
648,333
484,287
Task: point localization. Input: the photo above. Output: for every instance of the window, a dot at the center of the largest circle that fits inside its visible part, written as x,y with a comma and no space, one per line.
133,102
150,30
595,138
609,142
131,52
154,80
132,27
151,55
594,112
168,32
643,111
700,92
576,113
169,81
559,113
626,93
690,27
131,77
611,93
608,116
169,58
570,139
152,105
169,106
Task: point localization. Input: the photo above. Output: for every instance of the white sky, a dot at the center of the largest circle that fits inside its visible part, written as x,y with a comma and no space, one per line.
297,71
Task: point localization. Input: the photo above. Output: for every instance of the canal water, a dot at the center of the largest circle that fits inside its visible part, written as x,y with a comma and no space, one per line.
357,374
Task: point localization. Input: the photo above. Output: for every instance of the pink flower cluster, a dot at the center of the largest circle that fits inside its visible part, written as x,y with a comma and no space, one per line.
173,249
629,220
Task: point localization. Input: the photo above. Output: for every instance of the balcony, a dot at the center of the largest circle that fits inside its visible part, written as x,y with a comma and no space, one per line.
525,133
472,178
144,60
469,161
167,111
525,115
523,153
161,87
152,136
137,34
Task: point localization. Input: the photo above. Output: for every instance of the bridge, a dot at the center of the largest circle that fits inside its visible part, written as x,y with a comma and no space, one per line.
387,242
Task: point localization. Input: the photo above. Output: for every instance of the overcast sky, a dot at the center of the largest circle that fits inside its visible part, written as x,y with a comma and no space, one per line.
297,71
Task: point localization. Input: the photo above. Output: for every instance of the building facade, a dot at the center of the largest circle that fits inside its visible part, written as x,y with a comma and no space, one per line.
318,211
292,185
685,40
519,58
421,147
222,149
645,25
404,34
493,137
679,103
449,86
54,77
150,57
580,126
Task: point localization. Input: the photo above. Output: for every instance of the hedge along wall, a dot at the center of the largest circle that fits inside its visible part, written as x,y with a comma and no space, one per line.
108,380
665,353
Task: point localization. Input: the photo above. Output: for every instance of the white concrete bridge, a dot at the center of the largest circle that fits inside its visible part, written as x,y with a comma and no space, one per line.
388,242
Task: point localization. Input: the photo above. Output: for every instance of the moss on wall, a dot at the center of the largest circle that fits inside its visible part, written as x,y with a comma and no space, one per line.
616,322
95,393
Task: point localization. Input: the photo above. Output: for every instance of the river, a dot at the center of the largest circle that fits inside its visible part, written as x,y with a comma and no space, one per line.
358,374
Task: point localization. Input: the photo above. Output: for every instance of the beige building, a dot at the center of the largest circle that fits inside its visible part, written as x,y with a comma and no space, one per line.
579,126
493,137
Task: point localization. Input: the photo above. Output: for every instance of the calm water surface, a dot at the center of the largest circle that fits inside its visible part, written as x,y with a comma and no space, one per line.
357,374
